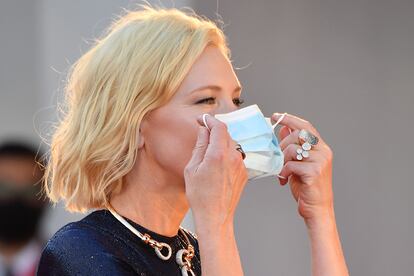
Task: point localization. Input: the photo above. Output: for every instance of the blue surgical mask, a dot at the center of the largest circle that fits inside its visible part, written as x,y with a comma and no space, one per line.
255,133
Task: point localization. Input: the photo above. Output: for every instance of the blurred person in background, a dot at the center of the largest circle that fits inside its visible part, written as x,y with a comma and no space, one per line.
21,208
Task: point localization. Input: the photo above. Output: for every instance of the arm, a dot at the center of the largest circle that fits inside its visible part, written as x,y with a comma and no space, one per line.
215,178
310,181
327,255
218,250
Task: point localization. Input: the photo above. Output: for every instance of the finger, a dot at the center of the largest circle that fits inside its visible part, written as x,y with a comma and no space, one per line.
201,146
292,138
219,136
233,148
291,152
282,181
283,132
298,168
295,122
240,171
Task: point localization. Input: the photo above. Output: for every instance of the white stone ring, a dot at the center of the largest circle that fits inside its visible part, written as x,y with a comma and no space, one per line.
307,140
307,137
303,151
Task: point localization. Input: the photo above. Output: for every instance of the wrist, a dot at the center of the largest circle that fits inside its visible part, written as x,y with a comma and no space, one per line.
322,218
213,228
218,248
215,220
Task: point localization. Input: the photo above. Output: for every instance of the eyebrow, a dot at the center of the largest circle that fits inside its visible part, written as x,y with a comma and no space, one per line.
214,87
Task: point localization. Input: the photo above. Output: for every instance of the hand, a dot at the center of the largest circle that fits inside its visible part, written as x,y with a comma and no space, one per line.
216,175
310,179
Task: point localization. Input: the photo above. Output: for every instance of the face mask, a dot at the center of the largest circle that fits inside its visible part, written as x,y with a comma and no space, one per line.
18,214
19,221
255,133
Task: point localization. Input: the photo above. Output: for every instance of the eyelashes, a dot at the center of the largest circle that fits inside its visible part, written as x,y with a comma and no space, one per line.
211,100
238,101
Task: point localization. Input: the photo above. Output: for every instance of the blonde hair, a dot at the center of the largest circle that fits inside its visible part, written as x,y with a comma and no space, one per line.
136,67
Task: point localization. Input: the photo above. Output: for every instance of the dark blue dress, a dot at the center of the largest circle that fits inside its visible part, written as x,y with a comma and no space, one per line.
100,245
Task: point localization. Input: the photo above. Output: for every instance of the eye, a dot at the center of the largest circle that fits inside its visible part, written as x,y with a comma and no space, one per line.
238,101
209,100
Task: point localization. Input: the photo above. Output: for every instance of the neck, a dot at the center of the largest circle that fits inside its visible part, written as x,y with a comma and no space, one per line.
153,200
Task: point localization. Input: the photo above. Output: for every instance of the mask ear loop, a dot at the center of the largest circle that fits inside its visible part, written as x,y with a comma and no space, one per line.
205,121
273,128
278,121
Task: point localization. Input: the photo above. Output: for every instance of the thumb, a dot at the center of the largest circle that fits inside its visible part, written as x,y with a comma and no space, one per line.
201,145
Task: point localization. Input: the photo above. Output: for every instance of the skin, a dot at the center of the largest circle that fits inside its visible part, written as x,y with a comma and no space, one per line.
177,168
311,186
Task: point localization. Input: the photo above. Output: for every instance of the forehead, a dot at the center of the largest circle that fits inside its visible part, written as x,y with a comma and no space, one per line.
211,68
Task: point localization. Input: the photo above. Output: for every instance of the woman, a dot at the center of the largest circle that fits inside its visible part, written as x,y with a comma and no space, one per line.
133,146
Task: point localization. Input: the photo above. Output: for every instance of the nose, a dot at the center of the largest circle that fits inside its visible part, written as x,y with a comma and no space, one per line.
226,107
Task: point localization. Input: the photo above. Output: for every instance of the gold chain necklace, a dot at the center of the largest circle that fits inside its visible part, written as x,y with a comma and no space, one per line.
183,256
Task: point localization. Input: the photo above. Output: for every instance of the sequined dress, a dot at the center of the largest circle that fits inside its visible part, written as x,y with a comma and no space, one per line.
100,245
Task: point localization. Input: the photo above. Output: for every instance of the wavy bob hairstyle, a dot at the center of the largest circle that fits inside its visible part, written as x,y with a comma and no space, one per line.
136,67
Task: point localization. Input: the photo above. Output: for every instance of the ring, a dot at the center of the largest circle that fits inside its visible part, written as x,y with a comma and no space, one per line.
301,153
307,137
307,140
239,148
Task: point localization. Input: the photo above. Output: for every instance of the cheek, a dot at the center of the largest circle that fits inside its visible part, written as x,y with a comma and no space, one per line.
174,144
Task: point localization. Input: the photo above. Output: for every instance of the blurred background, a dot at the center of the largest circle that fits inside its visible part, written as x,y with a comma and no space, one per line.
346,66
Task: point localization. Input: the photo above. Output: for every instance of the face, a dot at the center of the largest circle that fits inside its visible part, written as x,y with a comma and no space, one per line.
170,132
18,176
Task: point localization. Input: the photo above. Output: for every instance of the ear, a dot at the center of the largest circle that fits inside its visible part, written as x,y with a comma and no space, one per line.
140,139
141,132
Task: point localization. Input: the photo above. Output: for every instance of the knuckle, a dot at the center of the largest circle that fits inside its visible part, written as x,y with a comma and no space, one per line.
195,150
189,167
217,156
317,170
329,154
187,170
310,125
235,157
222,126
199,145
291,148
307,123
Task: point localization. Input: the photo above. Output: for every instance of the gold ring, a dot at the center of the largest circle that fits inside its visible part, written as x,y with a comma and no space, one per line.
240,149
